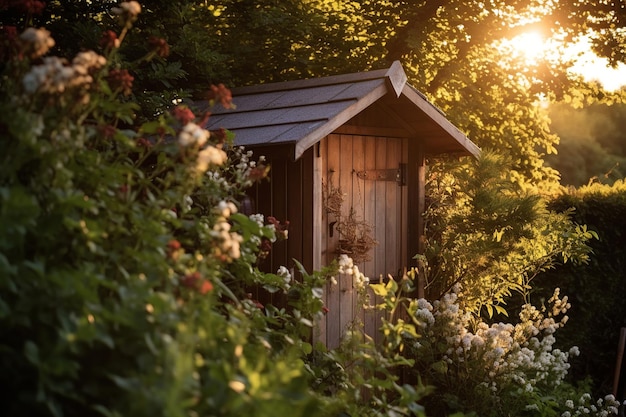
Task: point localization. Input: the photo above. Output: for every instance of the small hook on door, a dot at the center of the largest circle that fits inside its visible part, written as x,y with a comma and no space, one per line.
331,228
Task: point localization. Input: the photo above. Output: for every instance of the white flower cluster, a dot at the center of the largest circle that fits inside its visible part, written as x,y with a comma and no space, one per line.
521,355
585,407
347,266
424,313
244,160
229,247
245,165
210,156
258,219
56,75
285,274
194,135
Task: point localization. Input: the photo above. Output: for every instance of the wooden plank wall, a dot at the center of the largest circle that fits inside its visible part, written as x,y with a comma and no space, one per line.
287,195
379,203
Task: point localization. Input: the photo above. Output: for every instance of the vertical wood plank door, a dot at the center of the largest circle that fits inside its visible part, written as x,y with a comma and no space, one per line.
381,204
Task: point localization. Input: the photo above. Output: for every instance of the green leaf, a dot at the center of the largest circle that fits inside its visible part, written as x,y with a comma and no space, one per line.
31,352
307,348
440,367
501,310
379,289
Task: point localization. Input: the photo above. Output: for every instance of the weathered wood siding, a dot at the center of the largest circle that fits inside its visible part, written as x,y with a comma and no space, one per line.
286,195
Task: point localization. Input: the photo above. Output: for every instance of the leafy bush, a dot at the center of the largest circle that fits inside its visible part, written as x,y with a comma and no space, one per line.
123,260
474,368
597,288
493,232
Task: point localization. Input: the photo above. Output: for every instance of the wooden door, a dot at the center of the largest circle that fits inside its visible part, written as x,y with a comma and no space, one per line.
361,169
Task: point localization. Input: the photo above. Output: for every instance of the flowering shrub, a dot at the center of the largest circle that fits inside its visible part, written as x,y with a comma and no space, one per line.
124,260
498,369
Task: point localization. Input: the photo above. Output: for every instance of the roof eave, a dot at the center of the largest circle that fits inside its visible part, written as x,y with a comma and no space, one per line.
466,145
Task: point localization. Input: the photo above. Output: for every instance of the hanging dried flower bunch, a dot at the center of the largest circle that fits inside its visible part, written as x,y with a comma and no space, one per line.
355,236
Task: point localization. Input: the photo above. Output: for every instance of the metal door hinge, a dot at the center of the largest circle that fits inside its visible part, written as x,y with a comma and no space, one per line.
397,175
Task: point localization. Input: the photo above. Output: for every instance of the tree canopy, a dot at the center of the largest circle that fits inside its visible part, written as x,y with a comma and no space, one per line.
459,53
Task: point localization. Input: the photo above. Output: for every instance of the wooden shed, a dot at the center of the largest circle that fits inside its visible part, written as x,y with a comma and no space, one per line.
345,151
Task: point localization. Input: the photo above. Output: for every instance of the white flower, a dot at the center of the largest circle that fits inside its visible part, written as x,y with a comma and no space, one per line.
84,61
466,340
55,76
226,208
317,292
258,219
422,303
284,272
345,263
129,8
33,79
210,156
229,246
192,134
38,41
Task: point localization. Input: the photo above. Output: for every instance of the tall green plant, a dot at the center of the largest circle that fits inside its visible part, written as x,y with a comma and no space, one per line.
493,235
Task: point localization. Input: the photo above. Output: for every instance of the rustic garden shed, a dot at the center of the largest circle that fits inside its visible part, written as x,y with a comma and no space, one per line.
347,156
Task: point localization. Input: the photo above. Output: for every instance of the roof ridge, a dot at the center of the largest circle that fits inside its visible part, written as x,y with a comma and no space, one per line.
394,73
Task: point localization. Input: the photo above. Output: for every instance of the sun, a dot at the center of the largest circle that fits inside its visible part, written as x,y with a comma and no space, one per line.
531,46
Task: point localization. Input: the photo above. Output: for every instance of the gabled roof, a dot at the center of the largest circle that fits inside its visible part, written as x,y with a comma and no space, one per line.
303,112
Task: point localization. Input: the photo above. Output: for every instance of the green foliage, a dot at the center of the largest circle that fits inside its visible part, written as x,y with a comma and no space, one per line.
125,267
492,234
597,288
363,380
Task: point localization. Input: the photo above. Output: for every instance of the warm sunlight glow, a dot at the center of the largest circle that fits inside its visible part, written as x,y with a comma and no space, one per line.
593,68
530,45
